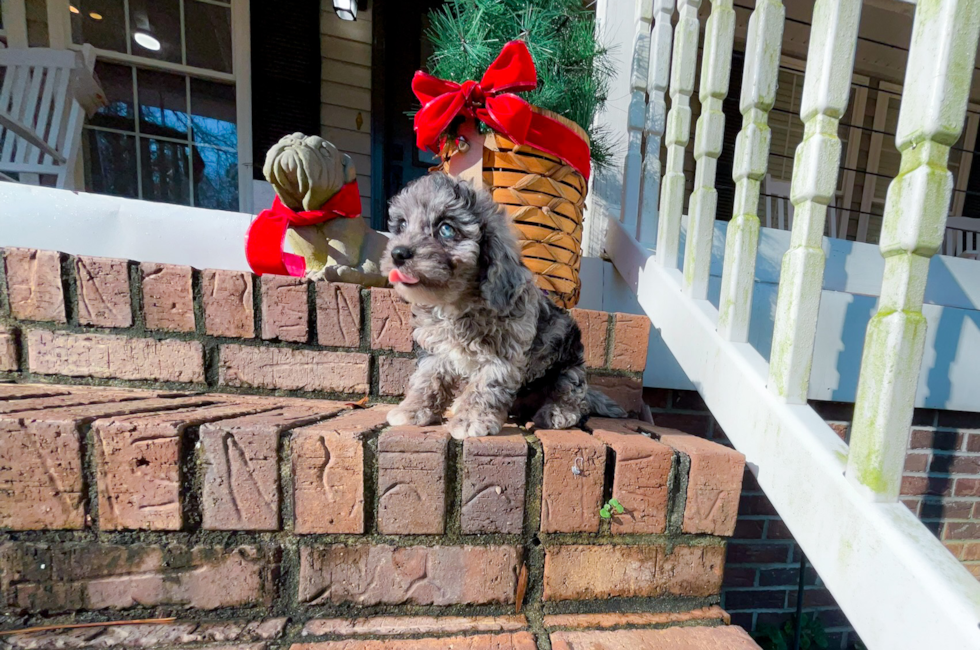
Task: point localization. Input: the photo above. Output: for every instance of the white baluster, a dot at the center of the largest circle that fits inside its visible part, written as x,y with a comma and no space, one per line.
937,85
751,161
656,118
633,164
682,69
716,68
826,86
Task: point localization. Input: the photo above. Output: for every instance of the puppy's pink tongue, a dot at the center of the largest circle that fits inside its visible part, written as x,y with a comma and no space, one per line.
399,276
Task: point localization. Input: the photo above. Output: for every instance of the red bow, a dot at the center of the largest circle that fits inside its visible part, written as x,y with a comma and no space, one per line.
266,236
490,102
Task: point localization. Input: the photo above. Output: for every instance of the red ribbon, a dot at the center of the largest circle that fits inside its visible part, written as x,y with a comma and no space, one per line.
266,236
491,102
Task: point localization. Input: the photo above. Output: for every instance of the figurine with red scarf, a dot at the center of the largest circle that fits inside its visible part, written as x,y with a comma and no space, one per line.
314,228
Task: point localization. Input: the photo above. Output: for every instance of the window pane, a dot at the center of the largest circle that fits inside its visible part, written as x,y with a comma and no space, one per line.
215,179
213,114
163,104
117,82
208,35
156,23
99,22
110,163
166,171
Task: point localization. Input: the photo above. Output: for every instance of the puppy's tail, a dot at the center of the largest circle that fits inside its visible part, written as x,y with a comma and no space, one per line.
603,406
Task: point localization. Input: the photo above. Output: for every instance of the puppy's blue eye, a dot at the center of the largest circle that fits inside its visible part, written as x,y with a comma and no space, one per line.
446,231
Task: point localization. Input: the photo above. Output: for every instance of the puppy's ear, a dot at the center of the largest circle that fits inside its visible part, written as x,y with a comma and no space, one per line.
502,274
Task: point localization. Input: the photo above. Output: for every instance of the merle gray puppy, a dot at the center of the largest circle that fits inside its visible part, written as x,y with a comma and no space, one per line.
487,331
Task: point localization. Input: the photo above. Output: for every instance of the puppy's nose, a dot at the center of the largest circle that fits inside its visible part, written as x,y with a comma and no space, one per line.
401,254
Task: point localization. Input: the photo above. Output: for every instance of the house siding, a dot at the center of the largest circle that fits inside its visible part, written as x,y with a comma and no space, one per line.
345,90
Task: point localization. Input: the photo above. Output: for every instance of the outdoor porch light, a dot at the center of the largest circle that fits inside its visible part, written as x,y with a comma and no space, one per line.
143,35
345,9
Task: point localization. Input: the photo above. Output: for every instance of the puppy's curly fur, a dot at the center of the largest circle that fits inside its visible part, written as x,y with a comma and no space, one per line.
485,328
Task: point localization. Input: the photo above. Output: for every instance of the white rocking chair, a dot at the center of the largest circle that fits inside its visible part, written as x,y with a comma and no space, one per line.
44,97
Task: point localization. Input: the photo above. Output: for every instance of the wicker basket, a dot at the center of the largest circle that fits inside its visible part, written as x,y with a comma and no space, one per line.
545,197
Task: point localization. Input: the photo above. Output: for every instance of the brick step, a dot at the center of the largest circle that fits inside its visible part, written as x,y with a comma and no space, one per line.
393,633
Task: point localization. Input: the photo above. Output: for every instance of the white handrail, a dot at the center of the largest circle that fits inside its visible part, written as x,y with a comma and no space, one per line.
896,582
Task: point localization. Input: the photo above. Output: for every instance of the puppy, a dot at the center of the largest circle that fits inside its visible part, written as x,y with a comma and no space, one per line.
486,330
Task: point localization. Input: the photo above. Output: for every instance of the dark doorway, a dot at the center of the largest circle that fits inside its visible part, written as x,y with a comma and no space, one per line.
400,48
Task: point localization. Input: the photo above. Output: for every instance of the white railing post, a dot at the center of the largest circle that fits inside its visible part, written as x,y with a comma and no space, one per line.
765,40
682,69
826,86
709,138
633,164
937,86
656,118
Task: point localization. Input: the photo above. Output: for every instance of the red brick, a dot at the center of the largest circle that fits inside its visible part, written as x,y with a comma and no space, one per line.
405,625
642,472
369,575
595,334
625,391
393,375
412,481
694,424
228,309
34,288
571,487
138,465
973,568
973,442
80,398
28,391
285,310
672,638
168,297
970,552
920,485
103,292
631,336
967,487
619,571
592,621
494,474
514,641
754,553
114,357
338,314
281,368
9,359
241,469
90,576
916,462
962,530
714,483
391,321
756,599
41,460
328,472
938,440
150,636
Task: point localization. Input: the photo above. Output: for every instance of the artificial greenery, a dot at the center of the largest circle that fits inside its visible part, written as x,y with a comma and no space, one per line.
573,67
812,635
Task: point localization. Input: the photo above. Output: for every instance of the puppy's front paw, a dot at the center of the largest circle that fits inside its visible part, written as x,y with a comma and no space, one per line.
398,417
462,427
552,416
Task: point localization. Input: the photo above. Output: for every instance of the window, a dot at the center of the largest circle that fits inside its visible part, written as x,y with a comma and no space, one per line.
169,132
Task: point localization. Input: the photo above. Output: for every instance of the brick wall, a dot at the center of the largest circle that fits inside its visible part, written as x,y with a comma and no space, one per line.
77,319
941,485
160,456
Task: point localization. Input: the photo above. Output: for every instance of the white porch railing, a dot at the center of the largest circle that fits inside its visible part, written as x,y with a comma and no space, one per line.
897,584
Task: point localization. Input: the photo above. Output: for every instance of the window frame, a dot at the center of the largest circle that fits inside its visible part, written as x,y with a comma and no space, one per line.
59,31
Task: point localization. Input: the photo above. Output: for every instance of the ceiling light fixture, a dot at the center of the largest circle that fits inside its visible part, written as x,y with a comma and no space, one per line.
146,40
73,9
345,9
95,15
